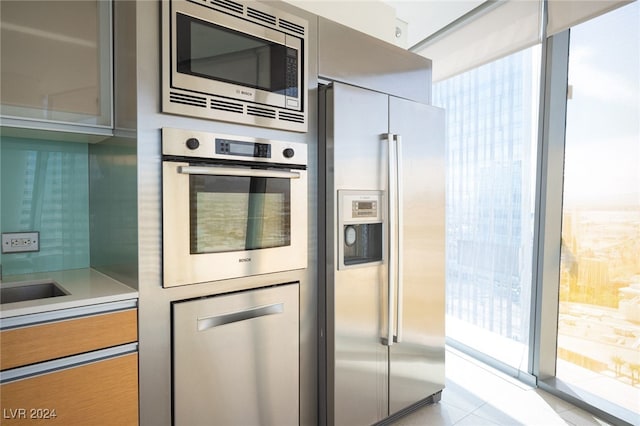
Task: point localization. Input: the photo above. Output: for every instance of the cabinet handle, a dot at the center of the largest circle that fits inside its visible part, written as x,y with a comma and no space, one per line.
64,314
66,362
218,320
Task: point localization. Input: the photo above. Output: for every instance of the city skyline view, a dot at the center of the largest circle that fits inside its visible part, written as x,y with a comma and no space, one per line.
491,150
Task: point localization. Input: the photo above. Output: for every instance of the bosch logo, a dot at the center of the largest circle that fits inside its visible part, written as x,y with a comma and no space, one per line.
244,259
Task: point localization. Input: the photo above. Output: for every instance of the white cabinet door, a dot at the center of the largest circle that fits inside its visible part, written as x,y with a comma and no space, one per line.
56,64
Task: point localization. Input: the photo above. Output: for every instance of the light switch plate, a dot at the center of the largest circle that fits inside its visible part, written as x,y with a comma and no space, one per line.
18,242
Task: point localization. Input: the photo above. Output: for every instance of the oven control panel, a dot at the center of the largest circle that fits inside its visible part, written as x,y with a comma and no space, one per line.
243,149
205,145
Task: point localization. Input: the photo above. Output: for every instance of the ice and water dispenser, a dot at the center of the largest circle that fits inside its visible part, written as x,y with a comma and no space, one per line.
360,240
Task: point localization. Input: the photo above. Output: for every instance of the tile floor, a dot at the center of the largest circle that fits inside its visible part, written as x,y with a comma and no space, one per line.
477,395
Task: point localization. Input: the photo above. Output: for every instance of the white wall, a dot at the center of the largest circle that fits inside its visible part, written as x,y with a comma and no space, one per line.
415,20
369,16
428,16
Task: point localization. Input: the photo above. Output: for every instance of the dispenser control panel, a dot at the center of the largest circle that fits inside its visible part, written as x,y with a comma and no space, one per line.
360,206
361,237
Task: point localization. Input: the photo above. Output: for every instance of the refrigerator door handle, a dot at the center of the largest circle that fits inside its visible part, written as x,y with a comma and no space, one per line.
392,188
395,235
399,242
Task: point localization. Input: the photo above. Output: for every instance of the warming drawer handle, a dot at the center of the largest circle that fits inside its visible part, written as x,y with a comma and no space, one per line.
230,171
218,320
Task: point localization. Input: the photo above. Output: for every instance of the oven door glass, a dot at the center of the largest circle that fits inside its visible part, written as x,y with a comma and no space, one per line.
218,53
235,213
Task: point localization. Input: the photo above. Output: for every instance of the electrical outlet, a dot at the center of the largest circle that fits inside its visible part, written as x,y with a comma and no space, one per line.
17,242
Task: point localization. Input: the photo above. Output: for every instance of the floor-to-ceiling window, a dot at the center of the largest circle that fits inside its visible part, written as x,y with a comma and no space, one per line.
543,230
491,137
598,340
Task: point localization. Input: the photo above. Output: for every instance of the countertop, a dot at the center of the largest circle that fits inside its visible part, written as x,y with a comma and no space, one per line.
85,287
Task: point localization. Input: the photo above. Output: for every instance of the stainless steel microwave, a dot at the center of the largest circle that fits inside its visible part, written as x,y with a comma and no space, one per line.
235,61
232,206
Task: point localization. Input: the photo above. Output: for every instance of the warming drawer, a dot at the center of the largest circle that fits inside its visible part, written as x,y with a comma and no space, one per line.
236,358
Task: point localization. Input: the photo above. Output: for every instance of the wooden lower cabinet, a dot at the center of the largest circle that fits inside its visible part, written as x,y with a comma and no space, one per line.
104,392
57,339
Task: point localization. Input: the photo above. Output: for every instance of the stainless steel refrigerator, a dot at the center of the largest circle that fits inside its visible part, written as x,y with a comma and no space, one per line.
382,292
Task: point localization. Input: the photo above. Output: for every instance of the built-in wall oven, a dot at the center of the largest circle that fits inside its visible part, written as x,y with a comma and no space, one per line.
233,206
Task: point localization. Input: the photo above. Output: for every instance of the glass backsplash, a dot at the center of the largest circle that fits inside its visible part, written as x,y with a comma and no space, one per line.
44,187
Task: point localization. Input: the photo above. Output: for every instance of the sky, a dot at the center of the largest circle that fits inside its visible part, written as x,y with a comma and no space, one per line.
602,161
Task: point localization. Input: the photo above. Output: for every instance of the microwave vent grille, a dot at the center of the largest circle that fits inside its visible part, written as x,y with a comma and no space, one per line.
223,109
181,98
290,116
261,16
261,112
226,106
229,5
288,25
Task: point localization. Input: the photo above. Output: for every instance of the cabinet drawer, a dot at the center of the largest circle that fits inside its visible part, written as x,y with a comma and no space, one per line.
98,393
37,343
236,359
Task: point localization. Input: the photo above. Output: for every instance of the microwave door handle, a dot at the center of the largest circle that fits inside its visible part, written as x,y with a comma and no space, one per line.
230,171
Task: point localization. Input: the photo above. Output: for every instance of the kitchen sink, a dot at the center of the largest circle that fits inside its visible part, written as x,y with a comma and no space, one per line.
30,290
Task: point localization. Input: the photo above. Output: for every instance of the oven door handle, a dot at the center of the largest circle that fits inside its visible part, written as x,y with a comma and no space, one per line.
230,171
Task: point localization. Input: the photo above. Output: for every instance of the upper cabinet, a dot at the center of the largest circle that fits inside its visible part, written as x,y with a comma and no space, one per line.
55,65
